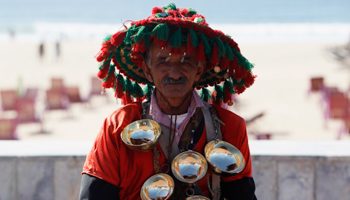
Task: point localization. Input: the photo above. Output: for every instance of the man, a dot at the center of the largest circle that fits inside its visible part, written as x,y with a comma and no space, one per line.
176,51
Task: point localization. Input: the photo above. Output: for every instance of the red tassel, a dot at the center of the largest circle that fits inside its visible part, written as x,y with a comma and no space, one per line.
175,51
118,38
110,82
239,89
249,79
156,10
127,99
119,90
160,43
224,64
103,73
139,47
215,55
189,44
200,55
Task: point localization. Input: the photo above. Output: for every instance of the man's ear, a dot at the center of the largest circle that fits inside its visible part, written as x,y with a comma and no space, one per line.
147,72
200,71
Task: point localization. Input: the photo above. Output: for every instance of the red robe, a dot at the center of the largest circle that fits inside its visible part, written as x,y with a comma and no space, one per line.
111,161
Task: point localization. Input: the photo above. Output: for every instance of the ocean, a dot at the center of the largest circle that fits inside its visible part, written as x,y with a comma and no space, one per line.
249,20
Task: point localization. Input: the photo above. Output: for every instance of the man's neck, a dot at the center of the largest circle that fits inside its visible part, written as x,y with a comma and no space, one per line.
179,105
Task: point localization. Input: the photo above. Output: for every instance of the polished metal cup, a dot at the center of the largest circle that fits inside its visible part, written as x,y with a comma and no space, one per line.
197,197
157,187
189,166
224,159
141,135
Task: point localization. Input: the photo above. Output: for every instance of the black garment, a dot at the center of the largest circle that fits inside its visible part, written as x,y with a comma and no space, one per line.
241,189
93,188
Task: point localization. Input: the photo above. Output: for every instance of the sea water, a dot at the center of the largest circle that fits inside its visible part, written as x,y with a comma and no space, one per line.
250,20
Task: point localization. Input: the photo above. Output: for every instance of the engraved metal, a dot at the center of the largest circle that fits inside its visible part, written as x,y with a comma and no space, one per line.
224,159
189,166
157,187
141,135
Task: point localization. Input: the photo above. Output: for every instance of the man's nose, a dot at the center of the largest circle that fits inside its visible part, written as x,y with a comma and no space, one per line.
174,71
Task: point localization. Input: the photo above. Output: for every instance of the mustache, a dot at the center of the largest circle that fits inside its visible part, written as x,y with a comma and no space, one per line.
171,80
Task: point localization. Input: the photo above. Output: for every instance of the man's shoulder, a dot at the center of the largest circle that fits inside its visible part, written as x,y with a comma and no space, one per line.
128,110
227,115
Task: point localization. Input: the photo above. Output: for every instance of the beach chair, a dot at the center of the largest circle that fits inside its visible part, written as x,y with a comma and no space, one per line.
31,93
8,129
73,95
56,100
8,99
96,89
57,84
26,112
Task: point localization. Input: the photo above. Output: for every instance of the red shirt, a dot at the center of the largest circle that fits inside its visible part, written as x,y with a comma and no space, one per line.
111,161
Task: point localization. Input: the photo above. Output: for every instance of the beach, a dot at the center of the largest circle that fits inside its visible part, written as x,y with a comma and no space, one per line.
281,91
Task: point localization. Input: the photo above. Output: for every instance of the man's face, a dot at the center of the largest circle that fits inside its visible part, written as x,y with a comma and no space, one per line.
173,78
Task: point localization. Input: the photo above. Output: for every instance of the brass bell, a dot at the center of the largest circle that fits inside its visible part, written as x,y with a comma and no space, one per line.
224,159
141,135
157,187
189,167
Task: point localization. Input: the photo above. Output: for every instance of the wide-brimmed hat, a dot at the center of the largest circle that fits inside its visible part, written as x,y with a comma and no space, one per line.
173,27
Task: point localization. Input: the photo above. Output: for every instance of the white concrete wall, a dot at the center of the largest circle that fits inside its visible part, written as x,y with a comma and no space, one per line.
282,170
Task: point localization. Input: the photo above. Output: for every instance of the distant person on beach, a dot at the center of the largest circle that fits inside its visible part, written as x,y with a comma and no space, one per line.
41,50
58,50
172,52
12,34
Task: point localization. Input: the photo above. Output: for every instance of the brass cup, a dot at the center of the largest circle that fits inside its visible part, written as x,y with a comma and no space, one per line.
189,166
197,197
224,159
157,187
141,135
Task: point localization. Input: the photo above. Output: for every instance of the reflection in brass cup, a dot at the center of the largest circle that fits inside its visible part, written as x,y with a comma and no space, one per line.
224,158
197,197
141,135
157,187
189,166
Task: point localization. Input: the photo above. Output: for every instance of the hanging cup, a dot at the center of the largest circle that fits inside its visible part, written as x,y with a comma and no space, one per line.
189,166
157,187
141,135
224,159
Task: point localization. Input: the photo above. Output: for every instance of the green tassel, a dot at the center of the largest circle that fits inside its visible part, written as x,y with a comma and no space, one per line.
147,42
138,37
192,11
148,91
138,92
219,92
108,37
170,6
207,48
111,71
229,51
176,39
120,79
162,31
128,87
194,38
205,95
128,36
229,86
221,47
242,61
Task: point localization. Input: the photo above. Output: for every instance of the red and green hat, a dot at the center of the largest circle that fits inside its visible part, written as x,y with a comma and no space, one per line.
226,68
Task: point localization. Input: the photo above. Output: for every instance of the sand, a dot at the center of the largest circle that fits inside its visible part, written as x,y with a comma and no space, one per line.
280,90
